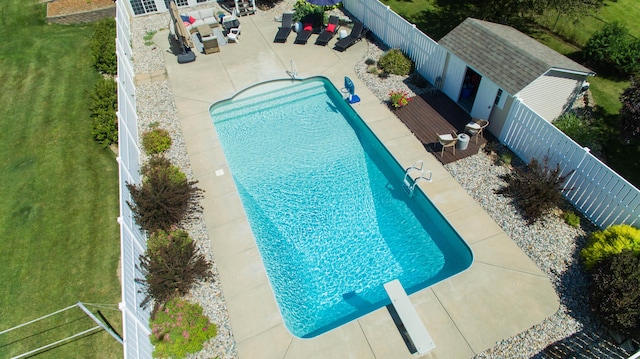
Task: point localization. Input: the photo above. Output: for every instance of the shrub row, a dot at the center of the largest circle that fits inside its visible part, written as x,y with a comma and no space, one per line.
102,106
172,263
103,46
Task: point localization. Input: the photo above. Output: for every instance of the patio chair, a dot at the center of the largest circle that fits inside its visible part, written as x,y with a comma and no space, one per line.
476,128
356,35
448,140
285,29
329,31
305,32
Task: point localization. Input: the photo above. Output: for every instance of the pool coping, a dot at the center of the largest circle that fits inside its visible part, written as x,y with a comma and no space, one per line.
502,294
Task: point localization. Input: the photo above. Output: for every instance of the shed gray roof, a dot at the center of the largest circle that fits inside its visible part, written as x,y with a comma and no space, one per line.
508,57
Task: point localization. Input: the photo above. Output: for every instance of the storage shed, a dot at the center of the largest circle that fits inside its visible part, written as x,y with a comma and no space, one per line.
489,65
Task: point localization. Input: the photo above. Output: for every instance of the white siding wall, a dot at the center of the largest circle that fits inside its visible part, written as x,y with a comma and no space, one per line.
550,94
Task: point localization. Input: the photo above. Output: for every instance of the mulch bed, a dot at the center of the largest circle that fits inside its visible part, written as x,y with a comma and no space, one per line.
68,7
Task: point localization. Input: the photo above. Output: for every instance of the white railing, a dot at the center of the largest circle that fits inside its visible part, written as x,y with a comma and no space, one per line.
135,320
596,190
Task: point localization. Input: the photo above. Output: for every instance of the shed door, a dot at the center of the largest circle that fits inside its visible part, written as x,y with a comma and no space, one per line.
485,98
453,77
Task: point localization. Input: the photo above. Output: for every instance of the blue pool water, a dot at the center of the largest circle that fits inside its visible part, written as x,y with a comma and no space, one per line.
326,205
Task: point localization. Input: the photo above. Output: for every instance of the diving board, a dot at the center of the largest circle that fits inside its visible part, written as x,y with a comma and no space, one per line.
415,327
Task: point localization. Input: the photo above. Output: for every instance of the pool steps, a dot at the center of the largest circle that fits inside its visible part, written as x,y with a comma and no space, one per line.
409,183
246,106
418,334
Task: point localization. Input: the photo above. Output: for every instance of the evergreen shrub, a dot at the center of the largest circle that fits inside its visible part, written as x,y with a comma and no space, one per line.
102,107
612,240
103,46
395,62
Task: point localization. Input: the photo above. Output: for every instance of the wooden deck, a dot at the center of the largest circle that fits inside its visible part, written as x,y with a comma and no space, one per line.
429,115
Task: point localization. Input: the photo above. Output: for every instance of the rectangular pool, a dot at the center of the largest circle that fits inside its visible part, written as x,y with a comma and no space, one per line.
326,205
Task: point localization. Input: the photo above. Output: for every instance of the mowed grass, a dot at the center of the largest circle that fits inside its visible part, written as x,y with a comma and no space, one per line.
59,203
580,30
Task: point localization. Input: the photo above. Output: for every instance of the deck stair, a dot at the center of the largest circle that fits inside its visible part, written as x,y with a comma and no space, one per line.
418,333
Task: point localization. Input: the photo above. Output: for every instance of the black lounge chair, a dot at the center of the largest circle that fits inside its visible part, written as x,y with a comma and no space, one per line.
329,31
356,35
305,32
285,29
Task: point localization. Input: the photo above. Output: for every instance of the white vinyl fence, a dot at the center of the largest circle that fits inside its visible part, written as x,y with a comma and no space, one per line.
396,32
135,320
596,190
599,192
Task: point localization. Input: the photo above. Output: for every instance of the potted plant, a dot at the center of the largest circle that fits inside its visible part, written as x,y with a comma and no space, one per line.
398,98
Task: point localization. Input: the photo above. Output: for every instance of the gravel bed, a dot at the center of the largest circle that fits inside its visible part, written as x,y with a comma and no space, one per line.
550,243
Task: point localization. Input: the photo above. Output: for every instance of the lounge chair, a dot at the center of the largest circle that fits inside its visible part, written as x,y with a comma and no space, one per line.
356,35
285,29
329,31
305,32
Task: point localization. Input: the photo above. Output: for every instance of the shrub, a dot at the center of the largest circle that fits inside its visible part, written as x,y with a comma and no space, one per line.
582,129
303,9
615,293
571,219
160,202
612,240
536,190
156,140
399,98
180,328
171,265
369,61
506,158
395,62
102,106
161,163
103,46
630,113
613,48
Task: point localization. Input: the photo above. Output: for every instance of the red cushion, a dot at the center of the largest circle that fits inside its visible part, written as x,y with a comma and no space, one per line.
331,27
192,19
307,27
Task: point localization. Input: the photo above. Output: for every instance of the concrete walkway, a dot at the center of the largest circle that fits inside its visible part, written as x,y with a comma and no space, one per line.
502,294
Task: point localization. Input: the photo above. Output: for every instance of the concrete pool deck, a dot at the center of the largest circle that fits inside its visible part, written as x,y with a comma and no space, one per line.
502,294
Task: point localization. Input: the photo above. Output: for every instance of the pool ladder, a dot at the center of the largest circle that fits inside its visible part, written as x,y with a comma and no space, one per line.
409,183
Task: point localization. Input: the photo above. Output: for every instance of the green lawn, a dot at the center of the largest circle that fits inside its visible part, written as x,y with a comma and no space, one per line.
59,203
580,30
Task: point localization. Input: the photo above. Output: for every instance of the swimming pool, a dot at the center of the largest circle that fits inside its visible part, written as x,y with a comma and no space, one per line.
326,205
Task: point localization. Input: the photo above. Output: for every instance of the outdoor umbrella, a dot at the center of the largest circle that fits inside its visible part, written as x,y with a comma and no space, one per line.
324,2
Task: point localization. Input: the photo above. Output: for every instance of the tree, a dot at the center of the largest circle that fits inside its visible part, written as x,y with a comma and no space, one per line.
613,48
513,12
630,112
